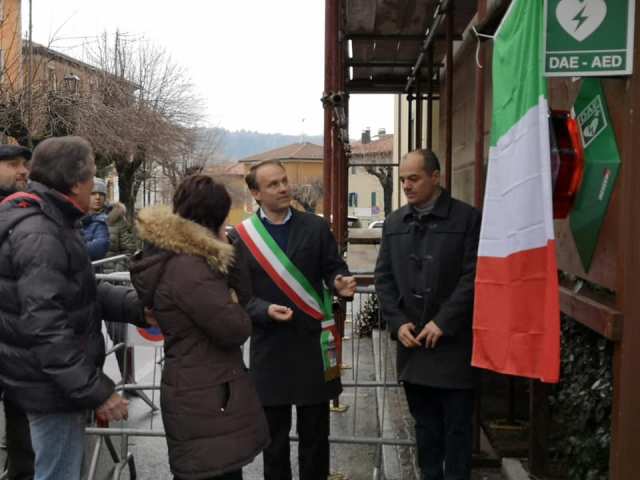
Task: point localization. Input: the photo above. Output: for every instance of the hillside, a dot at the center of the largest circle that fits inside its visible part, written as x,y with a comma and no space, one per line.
241,144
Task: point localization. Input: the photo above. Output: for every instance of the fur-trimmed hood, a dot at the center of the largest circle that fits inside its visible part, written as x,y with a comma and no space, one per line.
117,213
165,230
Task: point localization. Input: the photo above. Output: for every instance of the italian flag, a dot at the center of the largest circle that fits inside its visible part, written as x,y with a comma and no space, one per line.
516,322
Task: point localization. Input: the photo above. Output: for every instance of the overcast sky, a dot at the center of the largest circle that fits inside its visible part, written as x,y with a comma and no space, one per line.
258,65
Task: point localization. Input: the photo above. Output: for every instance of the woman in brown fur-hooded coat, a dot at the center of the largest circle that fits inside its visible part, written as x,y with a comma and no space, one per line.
212,416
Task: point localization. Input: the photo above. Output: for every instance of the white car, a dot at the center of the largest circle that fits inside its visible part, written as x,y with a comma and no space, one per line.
376,224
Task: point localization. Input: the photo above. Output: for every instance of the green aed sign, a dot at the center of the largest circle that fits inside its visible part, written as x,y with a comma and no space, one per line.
588,37
602,162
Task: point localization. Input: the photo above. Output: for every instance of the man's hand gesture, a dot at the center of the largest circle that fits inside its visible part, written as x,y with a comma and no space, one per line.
279,313
345,286
114,409
431,333
406,335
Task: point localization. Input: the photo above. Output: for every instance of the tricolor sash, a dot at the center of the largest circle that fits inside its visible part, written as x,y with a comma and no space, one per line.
296,287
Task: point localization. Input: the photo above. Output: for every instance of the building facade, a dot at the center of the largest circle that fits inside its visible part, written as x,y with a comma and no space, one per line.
11,75
370,168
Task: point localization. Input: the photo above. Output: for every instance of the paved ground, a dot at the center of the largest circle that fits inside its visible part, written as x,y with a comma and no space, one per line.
363,418
356,462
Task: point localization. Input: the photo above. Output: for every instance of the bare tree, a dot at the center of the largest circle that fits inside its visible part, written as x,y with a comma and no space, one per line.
199,149
140,112
308,195
384,174
154,112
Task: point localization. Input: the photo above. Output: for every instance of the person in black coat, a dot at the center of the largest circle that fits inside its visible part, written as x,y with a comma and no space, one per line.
286,359
51,345
424,279
13,177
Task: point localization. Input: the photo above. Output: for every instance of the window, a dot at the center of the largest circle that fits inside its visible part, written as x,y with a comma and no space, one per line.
51,78
373,199
353,199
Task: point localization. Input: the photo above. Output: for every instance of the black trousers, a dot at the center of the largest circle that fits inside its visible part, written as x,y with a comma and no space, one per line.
313,438
235,475
20,456
444,430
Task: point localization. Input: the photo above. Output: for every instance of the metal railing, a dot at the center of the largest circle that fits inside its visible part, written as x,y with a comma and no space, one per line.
358,320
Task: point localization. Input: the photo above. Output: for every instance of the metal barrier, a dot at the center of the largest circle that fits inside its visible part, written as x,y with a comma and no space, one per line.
353,341
123,458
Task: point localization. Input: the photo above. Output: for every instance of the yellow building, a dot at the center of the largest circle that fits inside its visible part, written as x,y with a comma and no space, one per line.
232,177
11,75
303,163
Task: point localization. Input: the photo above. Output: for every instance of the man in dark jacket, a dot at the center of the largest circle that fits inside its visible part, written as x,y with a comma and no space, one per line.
94,225
13,178
51,346
287,360
425,279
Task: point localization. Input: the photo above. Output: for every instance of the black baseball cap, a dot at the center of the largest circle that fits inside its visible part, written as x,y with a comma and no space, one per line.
8,152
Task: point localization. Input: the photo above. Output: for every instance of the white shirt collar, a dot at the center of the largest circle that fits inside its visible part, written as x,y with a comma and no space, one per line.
265,218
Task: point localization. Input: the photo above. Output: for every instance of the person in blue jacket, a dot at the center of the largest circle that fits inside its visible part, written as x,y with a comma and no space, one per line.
94,225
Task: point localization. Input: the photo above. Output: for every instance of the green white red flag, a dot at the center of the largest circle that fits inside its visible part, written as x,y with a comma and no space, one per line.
516,321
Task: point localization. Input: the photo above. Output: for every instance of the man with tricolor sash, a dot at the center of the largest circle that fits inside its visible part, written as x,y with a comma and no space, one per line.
294,269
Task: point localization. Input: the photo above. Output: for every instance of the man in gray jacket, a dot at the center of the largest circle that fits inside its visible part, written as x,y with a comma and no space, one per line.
425,282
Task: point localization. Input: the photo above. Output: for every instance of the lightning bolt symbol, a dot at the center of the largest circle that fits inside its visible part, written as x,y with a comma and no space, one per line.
580,18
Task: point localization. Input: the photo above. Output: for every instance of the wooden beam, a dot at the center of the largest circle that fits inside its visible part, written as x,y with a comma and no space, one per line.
396,36
624,458
595,315
539,416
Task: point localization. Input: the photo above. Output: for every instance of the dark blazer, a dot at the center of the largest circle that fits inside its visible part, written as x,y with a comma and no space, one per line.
210,410
426,271
286,358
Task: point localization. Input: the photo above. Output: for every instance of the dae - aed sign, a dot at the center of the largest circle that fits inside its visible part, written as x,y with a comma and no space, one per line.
588,37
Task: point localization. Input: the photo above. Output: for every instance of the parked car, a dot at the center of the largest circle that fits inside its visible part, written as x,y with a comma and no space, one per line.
352,222
376,224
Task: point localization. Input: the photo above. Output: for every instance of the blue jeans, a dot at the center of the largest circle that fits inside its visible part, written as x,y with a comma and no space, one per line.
58,442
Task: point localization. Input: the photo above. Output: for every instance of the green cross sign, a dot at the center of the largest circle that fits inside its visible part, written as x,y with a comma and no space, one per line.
588,37
592,120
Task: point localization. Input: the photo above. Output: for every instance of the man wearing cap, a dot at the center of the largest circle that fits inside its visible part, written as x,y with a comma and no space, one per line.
20,458
13,169
94,225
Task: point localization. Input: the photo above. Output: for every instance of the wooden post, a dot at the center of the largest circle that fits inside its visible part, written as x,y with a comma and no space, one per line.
625,455
449,101
538,426
330,52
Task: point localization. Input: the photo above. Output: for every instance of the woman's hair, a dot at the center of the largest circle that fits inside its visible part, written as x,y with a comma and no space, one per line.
201,199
